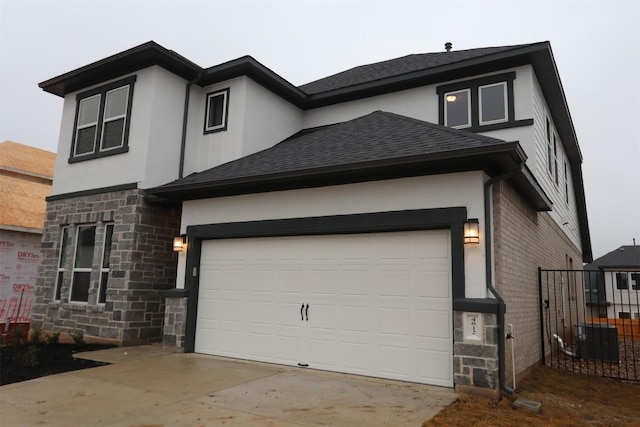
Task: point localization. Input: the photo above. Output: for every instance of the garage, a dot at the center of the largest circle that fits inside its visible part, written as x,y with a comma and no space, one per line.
374,304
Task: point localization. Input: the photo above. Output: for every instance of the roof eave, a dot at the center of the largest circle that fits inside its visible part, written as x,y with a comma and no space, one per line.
128,61
450,71
248,66
491,159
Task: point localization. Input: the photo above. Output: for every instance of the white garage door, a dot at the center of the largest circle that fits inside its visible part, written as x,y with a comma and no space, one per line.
371,304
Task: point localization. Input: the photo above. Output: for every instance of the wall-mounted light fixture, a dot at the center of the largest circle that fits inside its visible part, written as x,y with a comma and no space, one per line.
472,231
180,243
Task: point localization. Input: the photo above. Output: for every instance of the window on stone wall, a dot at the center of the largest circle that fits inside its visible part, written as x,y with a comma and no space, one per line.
61,262
91,263
81,279
104,268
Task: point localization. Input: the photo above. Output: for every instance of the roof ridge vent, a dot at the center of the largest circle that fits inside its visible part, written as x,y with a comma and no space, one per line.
448,46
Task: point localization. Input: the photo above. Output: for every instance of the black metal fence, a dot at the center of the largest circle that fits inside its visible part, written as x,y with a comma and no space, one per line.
590,322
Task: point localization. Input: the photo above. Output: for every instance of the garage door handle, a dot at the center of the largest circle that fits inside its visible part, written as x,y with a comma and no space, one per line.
302,312
306,311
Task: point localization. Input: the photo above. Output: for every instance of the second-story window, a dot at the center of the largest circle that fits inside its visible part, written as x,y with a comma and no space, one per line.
102,121
215,119
480,104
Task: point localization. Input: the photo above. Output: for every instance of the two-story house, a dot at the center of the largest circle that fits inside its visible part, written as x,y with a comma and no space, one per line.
386,221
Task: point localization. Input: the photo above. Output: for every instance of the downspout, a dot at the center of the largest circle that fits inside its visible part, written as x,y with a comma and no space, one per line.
501,304
183,141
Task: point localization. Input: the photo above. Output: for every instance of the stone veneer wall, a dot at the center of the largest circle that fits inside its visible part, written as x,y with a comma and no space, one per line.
476,363
142,266
175,322
525,240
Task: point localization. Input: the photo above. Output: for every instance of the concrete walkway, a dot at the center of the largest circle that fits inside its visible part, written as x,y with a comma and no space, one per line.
148,387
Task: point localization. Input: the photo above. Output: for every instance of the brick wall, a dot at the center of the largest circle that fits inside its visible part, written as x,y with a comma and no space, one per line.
524,241
142,265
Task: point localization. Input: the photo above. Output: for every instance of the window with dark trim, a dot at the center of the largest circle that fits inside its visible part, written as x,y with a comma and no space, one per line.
549,148
216,111
83,261
621,281
89,268
566,183
104,267
635,281
101,126
61,263
480,104
555,160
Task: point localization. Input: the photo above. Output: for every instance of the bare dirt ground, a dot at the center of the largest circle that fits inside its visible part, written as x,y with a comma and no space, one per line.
567,400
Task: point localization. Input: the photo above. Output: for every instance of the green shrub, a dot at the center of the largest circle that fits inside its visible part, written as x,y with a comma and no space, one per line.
36,333
54,338
78,337
31,357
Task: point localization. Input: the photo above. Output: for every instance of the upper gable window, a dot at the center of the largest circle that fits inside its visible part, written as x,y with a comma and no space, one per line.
101,125
457,112
493,103
479,104
215,119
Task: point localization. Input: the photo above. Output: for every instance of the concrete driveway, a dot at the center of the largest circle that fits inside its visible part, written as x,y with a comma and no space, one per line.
148,387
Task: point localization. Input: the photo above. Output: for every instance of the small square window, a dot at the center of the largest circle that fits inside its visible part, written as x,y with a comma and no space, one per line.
216,111
621,281
493,103
624,315
457,112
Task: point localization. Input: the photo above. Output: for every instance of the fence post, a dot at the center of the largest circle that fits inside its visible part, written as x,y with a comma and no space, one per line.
540,305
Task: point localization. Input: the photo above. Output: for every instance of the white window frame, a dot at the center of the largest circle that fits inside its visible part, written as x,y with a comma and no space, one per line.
100,93
80,269
225,106
80,127
106,120
506,105
104,269
64,240
446,118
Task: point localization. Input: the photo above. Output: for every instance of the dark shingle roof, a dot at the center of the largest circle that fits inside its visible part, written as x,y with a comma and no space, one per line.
397,67
623,257
379,136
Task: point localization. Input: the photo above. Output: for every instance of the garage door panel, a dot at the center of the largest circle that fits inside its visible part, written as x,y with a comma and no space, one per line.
431,284
426,321
378,303
434,365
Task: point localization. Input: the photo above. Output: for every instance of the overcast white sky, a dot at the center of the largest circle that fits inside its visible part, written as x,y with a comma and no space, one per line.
596,45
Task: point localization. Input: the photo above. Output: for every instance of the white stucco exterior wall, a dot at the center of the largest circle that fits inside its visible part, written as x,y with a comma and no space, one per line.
165,128
257,119
438,191
156,120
